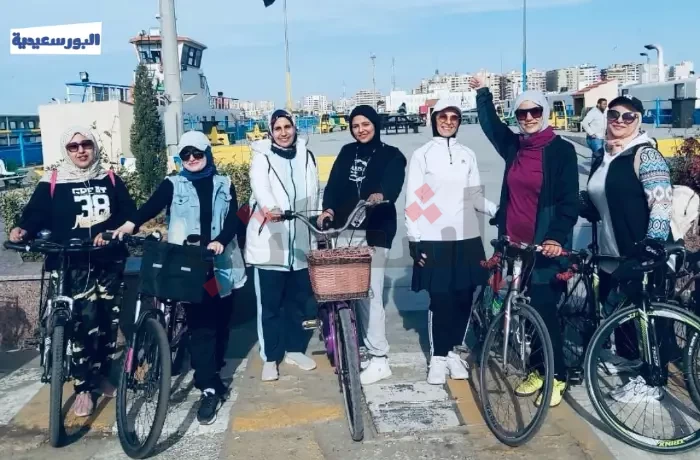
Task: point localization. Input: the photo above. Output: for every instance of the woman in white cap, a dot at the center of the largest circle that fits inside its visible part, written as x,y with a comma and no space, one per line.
202,202
283,177
446,244
539,205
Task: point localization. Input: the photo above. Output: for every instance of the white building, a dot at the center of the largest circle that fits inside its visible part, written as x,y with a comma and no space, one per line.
572,78
366,97
682,70
316,104
255,109
624,73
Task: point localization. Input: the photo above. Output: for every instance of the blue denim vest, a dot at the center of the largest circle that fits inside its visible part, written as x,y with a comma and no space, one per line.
229,267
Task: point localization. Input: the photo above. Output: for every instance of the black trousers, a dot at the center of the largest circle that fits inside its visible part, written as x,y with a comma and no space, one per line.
208,327
448,318
285,300
544,299
627,336
96,293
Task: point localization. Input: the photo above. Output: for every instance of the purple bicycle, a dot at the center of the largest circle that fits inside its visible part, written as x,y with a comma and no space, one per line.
340,277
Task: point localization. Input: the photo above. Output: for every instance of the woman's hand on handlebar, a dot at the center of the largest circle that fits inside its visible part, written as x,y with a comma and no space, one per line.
551,249
375,197
127,228
273,215
216,247
17,234
325,215
99,241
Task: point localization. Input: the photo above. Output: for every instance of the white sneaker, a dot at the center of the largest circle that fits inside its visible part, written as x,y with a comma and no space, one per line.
378,369
300,360
636,391
437,375
614,364
270,372
459,369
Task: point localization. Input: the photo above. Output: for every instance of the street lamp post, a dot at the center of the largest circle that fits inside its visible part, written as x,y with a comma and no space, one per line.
660,63
374,82
524,45
172,117
286,50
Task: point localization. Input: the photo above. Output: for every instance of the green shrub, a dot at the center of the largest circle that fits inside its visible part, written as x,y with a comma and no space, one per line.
240,176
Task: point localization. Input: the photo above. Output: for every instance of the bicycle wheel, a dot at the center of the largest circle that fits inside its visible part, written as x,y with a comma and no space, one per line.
179,343
577,320
348,368
529,347
57,380
692,367
147,373
654,410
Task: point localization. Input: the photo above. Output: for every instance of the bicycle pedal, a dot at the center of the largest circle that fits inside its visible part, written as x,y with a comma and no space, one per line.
311,324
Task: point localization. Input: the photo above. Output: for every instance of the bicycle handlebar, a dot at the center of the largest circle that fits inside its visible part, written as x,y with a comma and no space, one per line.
289,215
50,247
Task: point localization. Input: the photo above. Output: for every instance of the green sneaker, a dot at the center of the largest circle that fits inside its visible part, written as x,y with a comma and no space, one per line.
557,394
531,385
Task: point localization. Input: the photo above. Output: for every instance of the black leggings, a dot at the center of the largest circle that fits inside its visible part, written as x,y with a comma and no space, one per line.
544,299
448,317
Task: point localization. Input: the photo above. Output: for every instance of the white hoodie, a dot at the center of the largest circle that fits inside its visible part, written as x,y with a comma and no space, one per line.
444,191
286,185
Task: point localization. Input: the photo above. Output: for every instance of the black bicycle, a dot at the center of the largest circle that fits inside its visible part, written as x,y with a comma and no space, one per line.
55,323
657,410
157,344
516,347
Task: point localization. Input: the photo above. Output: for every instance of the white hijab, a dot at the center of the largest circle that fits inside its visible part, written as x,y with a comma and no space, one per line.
538,98
68,172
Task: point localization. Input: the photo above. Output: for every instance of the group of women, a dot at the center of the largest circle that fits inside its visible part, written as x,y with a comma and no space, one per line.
629,187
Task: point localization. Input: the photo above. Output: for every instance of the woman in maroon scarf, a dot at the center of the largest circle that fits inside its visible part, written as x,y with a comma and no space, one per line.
538,205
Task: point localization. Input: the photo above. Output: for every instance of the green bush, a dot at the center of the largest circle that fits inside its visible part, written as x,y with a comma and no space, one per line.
240,176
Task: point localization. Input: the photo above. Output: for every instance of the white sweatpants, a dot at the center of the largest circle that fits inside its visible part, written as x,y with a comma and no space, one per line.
371,310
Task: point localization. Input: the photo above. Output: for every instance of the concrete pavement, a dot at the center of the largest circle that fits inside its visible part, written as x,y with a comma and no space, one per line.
301,416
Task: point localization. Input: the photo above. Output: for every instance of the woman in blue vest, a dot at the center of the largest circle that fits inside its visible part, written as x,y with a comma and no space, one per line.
203,203
283,176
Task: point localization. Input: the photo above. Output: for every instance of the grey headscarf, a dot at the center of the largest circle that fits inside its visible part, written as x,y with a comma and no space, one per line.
67,170
538,98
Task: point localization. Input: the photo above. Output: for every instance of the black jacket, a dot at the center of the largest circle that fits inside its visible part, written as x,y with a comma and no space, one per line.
385,173
558,203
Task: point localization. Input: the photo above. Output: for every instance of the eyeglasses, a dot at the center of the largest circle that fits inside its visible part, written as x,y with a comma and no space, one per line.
75,146
536,112
451,118
627,117
188,152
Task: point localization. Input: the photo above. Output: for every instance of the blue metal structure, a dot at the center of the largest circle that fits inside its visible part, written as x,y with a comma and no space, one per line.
20,140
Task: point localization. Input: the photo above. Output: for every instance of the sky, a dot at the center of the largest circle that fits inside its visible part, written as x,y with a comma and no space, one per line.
331,41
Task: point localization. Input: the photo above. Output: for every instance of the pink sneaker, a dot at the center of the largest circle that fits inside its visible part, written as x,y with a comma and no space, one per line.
83,405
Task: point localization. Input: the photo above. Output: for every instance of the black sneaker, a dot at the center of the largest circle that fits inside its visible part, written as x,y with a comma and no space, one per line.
209,405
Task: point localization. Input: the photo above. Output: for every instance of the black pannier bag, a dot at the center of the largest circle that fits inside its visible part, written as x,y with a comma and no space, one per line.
171,271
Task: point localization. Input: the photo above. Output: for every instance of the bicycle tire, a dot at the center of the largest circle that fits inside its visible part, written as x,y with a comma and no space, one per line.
350,377
127,438
519,438
692,356
577,321
596,396
57,380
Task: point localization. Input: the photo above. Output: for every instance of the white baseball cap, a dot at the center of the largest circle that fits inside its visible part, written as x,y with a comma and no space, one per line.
196,139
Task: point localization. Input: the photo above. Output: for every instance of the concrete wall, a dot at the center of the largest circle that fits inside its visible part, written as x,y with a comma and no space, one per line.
112,120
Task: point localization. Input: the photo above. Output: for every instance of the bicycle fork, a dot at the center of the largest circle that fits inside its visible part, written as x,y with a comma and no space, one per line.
514,287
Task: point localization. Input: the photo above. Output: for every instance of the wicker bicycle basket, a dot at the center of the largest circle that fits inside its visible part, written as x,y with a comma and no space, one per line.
340,274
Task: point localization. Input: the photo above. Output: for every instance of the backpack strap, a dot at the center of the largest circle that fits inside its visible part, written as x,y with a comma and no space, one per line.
52,182
110,173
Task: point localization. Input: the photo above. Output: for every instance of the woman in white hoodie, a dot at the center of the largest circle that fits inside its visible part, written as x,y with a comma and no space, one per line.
443,194
283,176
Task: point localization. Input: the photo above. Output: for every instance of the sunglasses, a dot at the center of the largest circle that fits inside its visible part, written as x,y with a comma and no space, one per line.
191,152
536,112
443,117
627,117
75,146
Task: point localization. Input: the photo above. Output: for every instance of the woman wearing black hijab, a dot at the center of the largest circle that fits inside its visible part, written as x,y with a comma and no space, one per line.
370,170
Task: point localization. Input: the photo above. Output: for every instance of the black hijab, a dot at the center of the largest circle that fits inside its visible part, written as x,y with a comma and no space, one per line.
372,115
285,152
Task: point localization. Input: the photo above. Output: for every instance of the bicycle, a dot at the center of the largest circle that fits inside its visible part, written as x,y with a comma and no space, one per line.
165,324
55,323
657,343
348,272
513,315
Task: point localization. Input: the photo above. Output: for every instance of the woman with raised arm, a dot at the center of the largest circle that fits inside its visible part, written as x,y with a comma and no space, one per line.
446,244
283,176
202,202
538,205
81,200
